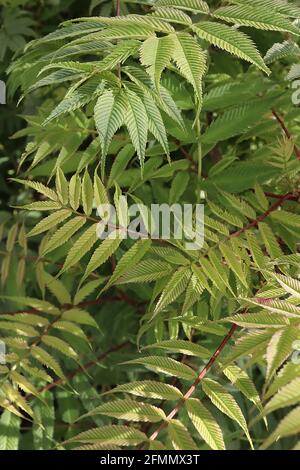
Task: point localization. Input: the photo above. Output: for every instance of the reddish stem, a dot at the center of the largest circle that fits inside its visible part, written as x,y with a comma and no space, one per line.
272,208
118,8
191,390
286,131
85,367
279,196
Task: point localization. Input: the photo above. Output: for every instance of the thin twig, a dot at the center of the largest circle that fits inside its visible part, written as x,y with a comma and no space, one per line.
286,131
118,8
272,208
191,390
279,196
86,366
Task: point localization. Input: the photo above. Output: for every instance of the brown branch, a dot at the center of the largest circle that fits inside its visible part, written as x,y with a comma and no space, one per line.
118,8
191,390
254,223
272,208
185,153
80,369
286,132
279,196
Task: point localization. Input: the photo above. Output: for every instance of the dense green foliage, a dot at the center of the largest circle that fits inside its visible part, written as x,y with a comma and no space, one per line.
144,343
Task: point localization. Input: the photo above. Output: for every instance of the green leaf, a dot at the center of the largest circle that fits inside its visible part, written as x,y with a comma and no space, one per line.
119,54
109,114
86,290
156,445
149,389
261,320
43,427
131,258
121,32
290,285
231,40
24,384
248,344
181,346
239,204
39,187
74,191
236,120
46,359
288,426
156,124
279,349
62,187
277,306
261,197
229,253
71,328
166,366
42,206
80,316
120,163
19,329
132,21
74,100
14,399
147,271
212,273
63,234
156,54
49,222
87,193
100,193
82,246
286,9
270,241
71,31
205,424
172,15
9,431
171,255
242,381
173,289
198,6
225,403
116,435
281,51
284,376
190,60
255,249
136,121
60,345
259,17
57,288
39,305
11,237
287,396
179,436
103,252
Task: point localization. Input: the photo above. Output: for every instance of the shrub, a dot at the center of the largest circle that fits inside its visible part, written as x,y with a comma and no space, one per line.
143,342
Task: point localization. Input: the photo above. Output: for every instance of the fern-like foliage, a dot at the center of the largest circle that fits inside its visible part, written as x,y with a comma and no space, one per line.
131,340
157,53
